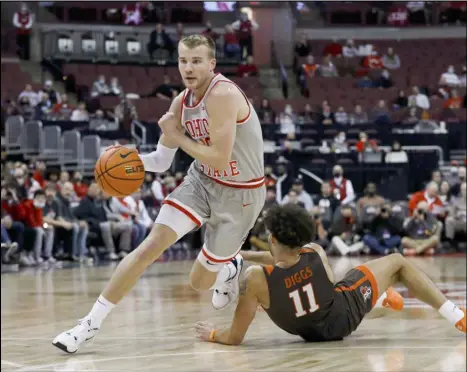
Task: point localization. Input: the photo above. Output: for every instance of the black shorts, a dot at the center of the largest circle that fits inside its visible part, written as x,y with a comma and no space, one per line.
356,295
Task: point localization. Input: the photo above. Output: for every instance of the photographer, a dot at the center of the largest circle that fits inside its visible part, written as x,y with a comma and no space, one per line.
421,230
385,232
322,228
344,229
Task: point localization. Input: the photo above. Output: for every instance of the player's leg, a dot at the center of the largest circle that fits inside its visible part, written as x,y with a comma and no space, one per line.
389,270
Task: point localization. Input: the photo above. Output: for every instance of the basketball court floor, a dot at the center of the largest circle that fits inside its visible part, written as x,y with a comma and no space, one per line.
152,329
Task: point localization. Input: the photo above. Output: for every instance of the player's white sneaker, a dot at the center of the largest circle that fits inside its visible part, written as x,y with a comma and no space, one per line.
71,340
228,291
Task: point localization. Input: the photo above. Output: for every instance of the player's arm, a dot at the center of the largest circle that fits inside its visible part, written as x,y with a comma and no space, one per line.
244,314
161,159
223,104
261,258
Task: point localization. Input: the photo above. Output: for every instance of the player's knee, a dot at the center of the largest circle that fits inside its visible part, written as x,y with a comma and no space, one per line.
397,258
155,243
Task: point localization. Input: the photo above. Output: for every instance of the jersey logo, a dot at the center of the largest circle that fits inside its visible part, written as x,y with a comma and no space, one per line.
366,292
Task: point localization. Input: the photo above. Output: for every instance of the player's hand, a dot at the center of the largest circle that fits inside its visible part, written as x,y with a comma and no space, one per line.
204,329
168,124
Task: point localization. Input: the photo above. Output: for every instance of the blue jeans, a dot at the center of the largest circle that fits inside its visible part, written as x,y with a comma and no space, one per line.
232,50
380,246
80,234
16,233
5,236
139,233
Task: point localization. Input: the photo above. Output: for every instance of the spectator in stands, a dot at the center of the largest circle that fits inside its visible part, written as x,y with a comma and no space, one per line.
166,91
284,177
339,143
80,114
115,89
271,197
327,203
445,193
302,47
333,49
292,198
421,232
9,248
23,21
269,176
26,110
44,234
321,228
265,113
125,112
391,60
341,117
62,110
326,116
179,32
99,121
309,67
345,229
327,68
380,114
358,116
51,93
244,28
461,178
454,102
287,120
28,92
418,12
39,173
100,87
372,60
437,177
457,218
449,78
349,50
341,187
43,108
385,80
302,196
401,101
159,39
413,117
385,231
430,196
209,32
463,77
64,178
247,69
307,116
136,205
79,187
370,199
12,215
231,44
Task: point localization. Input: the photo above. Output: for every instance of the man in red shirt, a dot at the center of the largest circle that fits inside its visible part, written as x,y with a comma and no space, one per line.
33,219
333,48
365,144
81,189
429,195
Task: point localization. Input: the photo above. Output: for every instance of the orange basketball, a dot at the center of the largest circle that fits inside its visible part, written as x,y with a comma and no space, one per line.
119,171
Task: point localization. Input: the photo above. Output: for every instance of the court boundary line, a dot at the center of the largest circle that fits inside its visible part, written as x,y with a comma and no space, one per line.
12,364
236,350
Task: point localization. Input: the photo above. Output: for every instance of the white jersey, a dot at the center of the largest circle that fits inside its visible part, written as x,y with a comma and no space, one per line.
246,167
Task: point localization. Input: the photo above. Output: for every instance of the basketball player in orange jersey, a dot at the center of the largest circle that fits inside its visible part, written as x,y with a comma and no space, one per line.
213,121
295,286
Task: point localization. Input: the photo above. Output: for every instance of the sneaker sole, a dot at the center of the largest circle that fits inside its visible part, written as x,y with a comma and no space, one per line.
63,347
236,289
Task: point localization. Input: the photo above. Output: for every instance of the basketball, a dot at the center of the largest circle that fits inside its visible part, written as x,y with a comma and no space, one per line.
119,171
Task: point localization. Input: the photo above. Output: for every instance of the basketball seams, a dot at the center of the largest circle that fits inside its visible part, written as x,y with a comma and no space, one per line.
113,188
115,166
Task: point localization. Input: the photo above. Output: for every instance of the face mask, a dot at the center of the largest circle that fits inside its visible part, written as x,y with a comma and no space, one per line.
371,193
78,179
20,181
38,205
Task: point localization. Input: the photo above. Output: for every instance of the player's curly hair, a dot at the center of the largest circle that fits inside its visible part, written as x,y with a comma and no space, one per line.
291,225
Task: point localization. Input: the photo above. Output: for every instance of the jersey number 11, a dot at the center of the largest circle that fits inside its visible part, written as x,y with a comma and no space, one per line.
297,300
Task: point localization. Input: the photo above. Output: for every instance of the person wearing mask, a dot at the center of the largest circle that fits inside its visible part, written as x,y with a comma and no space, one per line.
342,188
79,228
421,232
23,21
457,219
437,177
327,204
283,179
358,116
44,233
321,228
245,27
287,120
429,195
302,196
339,144
100,87
115,88
368,205
401,101
385,230
445,193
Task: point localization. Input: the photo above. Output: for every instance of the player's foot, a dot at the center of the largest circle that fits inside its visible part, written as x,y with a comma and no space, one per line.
460,325
228,291
393,300
71,340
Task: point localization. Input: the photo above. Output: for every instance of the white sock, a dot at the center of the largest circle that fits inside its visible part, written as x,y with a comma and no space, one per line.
451,312
100,310
340,245
227,271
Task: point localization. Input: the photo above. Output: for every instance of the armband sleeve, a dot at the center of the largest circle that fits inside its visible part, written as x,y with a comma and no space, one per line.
160,160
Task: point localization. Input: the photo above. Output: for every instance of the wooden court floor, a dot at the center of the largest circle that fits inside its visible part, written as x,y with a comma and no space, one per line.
152,329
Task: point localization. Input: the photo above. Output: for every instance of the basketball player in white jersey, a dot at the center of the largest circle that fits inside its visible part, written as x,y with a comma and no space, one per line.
213,121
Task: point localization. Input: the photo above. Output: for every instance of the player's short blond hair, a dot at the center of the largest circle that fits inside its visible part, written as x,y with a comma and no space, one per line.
193,41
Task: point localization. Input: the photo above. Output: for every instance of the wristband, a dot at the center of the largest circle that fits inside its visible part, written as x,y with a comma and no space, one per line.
212,335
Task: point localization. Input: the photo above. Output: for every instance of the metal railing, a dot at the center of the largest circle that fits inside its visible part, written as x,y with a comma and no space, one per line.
140,138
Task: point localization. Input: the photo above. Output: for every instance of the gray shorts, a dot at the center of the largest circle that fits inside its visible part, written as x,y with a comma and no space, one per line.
229,213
